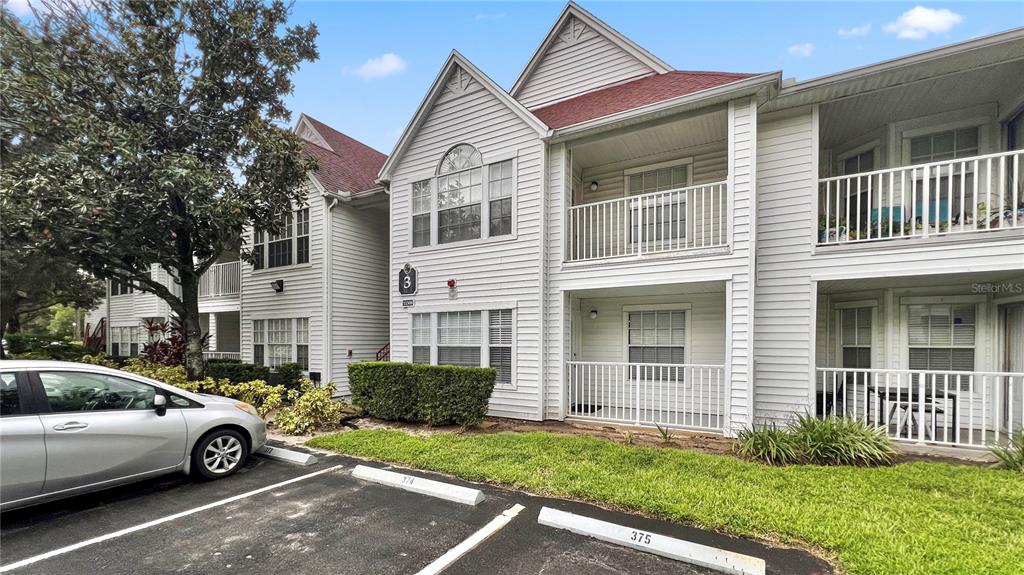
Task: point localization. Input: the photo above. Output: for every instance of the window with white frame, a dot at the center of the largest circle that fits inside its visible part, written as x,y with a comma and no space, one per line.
858,163
421,332
941,337
855,337
458,338
290,245
499,340
466,338
657,336
421,213
465,200
499,193
124,341
945,145
278,341
121,287
664,218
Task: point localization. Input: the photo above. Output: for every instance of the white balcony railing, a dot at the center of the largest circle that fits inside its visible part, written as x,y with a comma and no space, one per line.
682,395
221,279
960,408
668,221
979,193
222,355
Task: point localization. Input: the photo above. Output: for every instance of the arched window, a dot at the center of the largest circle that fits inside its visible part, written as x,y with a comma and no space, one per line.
466,200
460,157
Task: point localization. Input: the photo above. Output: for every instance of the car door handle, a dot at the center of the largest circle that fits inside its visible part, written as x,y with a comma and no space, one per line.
70,425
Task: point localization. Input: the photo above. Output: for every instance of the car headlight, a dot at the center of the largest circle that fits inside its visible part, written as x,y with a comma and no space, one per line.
247,408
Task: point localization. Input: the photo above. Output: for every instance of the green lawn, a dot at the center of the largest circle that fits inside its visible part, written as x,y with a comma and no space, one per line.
925,518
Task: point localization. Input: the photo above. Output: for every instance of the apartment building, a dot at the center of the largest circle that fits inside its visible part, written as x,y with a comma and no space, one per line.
317,295
628,242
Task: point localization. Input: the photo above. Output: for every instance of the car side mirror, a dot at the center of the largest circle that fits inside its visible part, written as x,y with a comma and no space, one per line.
160,404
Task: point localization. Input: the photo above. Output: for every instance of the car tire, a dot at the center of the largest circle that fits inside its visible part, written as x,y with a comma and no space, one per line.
220,453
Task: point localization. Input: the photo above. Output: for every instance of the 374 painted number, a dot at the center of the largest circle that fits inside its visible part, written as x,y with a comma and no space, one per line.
641,537
408,480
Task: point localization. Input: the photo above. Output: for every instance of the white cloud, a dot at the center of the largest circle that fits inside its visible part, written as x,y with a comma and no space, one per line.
919,22
802,50
853,31
379,67
19,7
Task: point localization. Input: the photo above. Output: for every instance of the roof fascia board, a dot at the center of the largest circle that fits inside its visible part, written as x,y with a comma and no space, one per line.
455,59
572,9
912,59
725,92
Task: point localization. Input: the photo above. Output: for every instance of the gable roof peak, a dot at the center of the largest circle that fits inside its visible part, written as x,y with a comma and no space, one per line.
443,82
574,10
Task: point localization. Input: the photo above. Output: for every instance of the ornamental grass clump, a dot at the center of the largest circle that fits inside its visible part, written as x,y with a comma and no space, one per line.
828,441
1011,455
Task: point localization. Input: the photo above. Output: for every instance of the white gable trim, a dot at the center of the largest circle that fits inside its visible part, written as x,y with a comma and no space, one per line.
311,133
572,9
455,59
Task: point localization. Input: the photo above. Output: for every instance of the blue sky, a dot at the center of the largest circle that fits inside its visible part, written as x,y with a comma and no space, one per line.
804,40
377,60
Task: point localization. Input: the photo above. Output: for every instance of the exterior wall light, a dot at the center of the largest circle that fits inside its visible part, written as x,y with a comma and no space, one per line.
278,285
593,314
593,186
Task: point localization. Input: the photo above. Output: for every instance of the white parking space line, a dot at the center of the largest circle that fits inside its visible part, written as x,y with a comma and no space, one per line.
456,553
155,522
678,549
420,485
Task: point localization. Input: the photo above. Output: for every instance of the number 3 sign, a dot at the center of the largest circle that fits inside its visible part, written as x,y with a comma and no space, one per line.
407,280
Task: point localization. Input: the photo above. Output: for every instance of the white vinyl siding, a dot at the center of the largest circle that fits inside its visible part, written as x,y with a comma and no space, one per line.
580,60
495,269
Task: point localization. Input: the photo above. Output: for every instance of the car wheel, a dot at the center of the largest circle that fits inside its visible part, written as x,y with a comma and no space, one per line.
219,454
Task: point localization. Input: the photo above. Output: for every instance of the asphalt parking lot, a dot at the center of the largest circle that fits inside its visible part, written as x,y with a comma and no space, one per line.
327,523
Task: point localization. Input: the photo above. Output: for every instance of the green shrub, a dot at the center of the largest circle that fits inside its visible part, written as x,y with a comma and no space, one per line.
1011,456
312,409
41,346
449,394
842,441
384,389
21,342
769,445
235,371
99,359
288,375
436,394
828,441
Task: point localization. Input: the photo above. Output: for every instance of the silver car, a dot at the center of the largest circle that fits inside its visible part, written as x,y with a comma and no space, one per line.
72,428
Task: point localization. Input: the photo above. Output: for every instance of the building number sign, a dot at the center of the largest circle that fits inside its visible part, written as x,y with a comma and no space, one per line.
407,280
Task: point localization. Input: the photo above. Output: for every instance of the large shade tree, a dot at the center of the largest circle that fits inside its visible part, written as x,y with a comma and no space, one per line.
136,133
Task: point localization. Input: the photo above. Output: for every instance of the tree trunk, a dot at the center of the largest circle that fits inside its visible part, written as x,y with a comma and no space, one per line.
195,365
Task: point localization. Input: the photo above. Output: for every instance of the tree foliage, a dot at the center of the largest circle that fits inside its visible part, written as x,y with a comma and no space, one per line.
150,132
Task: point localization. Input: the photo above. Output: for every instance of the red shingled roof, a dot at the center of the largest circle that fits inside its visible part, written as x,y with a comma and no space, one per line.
349,166
634,94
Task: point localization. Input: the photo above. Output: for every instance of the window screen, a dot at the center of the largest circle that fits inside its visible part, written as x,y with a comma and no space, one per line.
458,338
942,337
499,338
657,336
421,338
855,337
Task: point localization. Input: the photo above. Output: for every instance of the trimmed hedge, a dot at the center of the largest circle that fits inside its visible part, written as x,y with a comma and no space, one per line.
435,394
236,372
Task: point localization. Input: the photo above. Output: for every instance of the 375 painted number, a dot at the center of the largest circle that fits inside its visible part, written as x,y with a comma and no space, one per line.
641,537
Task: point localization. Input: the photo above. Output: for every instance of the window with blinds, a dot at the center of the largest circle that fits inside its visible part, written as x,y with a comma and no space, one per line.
657,336
942,337
855,337
302,342
421,338
499,340
458,338
664,218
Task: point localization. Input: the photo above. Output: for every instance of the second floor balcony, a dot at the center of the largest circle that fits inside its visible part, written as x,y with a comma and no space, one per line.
967,194
658,190
223,279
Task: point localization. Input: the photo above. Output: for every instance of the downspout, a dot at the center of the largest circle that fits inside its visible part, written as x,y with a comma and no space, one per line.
328,262
542,356
106,336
